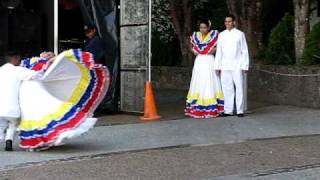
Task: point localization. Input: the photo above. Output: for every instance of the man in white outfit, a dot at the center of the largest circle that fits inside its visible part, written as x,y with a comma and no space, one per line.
231,63
11,77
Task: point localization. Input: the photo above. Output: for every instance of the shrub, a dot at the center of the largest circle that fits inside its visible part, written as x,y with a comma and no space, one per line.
311,52
280,49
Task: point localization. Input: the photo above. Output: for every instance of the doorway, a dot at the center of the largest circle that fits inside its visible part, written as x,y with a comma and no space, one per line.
70,23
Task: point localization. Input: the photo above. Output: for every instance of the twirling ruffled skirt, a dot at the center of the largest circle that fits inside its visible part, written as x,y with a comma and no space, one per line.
61,105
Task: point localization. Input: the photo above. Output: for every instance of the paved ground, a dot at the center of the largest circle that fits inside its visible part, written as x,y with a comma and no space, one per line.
284,158
170,104
224,148
271,142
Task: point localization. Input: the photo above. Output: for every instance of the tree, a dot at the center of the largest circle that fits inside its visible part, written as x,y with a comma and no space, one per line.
302,26
165,46
161,22
215,11
248,14
182,18
168,20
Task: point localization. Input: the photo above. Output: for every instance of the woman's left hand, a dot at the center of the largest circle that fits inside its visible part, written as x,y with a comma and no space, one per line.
212,50
194,52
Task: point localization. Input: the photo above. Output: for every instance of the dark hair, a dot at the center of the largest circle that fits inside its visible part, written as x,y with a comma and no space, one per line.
231,16
205,21
88,28
13,53
10,54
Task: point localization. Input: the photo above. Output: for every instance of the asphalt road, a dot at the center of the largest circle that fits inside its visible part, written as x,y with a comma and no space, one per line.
277,158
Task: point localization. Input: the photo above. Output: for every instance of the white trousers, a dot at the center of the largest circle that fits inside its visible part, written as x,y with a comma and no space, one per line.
232,87
8,127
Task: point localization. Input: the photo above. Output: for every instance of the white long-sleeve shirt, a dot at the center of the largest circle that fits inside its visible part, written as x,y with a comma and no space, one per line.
11,78
232,51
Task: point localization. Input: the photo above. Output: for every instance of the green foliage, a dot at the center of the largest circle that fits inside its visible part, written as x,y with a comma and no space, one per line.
165,46
311,52
272,12
162,26
280,50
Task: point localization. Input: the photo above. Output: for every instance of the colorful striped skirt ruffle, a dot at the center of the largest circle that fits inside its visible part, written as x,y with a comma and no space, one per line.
195,109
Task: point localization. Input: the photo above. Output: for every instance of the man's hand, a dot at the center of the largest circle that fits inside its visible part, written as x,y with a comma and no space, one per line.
50,61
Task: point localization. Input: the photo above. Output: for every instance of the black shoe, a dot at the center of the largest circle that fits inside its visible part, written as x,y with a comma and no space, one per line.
240,115
226,115
8,145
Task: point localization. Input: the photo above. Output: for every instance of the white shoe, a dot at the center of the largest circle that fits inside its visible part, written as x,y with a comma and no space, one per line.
29,150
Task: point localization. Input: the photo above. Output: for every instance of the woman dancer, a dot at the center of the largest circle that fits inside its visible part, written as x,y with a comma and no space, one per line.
61,105
205,98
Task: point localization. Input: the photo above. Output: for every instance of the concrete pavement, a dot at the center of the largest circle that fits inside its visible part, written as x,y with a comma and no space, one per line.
269,122
279,159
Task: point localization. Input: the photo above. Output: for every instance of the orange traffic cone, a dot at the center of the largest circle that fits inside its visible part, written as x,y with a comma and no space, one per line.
150,109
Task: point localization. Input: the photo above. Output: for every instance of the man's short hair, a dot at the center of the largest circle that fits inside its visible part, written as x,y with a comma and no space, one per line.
10,54
231,16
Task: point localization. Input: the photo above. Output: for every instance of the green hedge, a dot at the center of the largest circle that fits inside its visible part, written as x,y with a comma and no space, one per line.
312,47
280,49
